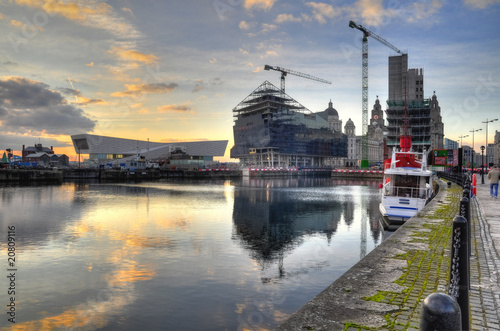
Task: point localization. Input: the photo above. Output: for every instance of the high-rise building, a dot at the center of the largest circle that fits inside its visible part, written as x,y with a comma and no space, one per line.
422,117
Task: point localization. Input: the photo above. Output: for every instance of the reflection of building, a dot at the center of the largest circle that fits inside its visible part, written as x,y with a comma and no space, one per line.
271,223
102,149
272,129
272,220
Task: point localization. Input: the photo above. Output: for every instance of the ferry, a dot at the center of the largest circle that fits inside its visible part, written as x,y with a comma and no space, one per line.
407,187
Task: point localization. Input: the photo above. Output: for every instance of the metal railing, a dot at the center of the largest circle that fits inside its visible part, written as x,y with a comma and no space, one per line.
450,311
406,192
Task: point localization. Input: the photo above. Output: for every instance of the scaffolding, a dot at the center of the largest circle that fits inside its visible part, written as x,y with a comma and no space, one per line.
419,122
272,129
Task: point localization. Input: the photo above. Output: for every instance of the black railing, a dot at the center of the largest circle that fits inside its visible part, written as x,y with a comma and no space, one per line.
457,178
450,311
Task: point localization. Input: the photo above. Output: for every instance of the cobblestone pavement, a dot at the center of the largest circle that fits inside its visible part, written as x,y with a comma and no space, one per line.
485,262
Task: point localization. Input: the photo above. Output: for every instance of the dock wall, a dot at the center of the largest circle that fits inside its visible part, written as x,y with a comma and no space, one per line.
31,175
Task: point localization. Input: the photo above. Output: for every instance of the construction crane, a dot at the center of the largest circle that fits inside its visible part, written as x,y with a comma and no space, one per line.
364,85
285,71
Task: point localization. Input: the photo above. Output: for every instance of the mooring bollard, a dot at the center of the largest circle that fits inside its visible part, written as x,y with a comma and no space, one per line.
440,312
459,268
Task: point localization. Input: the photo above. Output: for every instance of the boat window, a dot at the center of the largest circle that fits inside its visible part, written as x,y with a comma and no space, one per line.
406,181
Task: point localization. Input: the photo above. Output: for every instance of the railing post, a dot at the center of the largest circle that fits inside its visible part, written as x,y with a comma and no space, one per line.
459,268
440,312
465,212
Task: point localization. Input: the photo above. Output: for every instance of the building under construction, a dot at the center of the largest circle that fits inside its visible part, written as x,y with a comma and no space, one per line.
423,116
271,129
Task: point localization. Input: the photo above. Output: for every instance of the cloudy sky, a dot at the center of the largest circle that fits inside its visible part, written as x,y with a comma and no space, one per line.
174,70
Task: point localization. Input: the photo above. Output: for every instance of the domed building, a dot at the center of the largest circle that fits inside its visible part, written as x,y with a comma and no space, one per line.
332,116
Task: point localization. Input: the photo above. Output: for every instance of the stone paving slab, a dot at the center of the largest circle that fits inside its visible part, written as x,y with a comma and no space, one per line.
385,290
485,261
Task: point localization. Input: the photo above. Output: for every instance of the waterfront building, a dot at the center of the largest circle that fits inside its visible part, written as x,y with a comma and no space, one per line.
271,129
423,115
353,145
377,151
103,150
46,159
37,149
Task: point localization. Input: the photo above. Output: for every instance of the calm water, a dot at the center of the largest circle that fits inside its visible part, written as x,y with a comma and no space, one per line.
181,255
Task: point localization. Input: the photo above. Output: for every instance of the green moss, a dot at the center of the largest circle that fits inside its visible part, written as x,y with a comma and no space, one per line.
424,267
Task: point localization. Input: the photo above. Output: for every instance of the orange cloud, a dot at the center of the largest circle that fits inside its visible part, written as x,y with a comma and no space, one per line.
71,10
283,18
133,55
322,11
259,4
171,108
16,23
371,11
140,89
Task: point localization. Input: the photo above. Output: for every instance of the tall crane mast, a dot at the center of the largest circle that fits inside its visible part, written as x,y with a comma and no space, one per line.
364,84
285,71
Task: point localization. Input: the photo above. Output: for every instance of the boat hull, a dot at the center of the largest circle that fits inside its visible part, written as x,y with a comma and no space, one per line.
396,211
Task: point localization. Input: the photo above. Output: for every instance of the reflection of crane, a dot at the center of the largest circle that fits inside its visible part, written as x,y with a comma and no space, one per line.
285,71
367,33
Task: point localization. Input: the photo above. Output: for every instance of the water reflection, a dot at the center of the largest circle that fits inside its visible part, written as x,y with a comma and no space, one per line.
183,255
272,217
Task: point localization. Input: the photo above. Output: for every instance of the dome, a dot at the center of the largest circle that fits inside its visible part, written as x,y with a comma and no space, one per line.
349,122
330,111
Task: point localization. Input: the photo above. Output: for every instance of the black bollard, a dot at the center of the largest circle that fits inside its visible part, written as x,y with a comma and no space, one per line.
465,212
466,192
440,312
459,268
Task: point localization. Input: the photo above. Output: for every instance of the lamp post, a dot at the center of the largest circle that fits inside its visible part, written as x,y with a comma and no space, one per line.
482,164
461,144
472,152
461,139
486,122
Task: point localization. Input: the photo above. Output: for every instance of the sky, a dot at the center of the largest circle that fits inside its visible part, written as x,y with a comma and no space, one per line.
173,70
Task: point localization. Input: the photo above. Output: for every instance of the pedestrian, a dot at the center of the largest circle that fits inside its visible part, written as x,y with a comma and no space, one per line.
493,177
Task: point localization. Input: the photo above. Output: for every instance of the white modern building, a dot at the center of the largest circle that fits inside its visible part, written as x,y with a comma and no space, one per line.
104,150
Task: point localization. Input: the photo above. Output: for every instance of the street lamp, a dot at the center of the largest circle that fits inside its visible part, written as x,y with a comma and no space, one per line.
482,164
461,145
472,152
486,122
461,139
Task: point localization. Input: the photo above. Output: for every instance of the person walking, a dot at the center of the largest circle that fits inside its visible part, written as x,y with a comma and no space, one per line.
493,177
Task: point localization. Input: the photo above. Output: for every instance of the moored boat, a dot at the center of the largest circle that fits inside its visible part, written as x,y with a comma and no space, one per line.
407,187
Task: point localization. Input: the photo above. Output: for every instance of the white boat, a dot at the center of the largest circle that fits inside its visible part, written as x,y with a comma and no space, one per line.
407,186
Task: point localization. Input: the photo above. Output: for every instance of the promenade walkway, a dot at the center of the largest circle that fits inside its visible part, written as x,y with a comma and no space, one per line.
385,290
485,261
